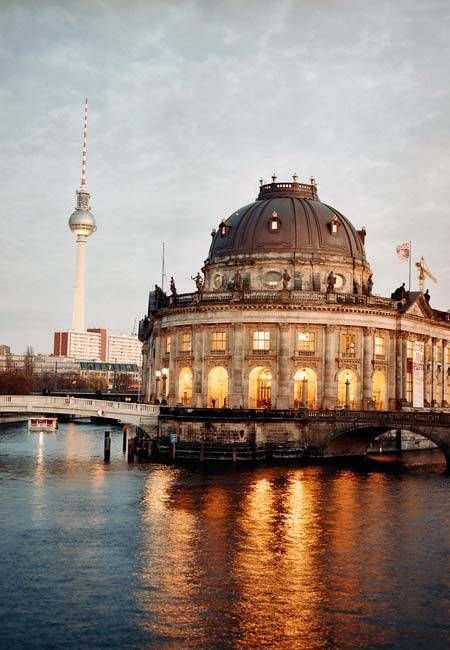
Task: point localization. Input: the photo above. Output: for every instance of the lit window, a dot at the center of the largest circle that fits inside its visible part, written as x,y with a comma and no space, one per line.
186,342
334,225
348,344
409,349
224,229
167,344
274,222
306,341
218,341
261,340
379,346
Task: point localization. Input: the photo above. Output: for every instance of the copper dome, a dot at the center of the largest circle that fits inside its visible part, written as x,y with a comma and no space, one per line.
287,218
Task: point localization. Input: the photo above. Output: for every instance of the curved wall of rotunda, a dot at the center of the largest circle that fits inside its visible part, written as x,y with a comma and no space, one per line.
284,317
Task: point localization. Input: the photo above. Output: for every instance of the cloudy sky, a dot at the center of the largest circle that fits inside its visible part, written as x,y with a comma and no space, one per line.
191,102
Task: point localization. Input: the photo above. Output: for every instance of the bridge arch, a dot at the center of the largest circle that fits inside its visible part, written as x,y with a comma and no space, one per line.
347,440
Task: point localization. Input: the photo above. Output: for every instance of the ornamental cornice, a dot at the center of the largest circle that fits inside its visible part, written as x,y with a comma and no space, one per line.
348,363
305,359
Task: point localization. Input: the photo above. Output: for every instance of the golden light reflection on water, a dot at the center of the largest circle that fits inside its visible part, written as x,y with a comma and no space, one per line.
264,561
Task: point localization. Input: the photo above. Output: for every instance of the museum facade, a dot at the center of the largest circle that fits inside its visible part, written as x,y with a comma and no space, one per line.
283,317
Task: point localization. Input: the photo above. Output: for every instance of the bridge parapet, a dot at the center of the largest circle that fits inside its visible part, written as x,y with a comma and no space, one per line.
127,412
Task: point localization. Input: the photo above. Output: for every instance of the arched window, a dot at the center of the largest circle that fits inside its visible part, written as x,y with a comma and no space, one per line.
305,388
185,386
379,390
260,388
347,389
218,387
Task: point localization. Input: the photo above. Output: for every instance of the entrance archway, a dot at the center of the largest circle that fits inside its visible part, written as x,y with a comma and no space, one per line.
185,386
379,390
305,388
260,387
217,387
347,396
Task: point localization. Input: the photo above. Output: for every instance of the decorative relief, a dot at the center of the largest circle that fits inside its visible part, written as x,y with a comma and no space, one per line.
348,363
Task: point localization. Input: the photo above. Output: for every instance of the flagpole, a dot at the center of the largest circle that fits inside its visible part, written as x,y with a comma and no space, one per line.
410,256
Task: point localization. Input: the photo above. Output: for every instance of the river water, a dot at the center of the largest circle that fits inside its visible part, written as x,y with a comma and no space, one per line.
151,556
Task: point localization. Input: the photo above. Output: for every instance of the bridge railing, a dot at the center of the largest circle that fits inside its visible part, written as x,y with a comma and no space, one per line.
74,404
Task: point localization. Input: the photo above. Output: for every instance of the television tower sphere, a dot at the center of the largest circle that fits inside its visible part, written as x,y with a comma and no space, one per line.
82,221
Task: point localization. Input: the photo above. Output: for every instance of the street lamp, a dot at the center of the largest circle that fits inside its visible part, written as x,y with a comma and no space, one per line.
165,372
347,391
158,379
304,378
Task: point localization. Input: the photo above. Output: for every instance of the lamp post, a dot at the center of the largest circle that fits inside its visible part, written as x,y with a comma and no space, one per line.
347,391
164,372
304,401
157,379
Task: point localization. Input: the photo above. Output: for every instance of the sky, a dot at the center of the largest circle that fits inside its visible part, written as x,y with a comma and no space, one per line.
190,103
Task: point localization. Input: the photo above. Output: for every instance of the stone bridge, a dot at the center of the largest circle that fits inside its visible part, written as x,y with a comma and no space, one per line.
349,433
326,433
144,415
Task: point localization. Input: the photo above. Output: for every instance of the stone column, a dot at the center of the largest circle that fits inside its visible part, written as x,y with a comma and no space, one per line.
367,367
398,369
173,396
391,372
434,396
445,397
330,385
197,367
427,369
145,373
157,361
404,365
237,355
283,400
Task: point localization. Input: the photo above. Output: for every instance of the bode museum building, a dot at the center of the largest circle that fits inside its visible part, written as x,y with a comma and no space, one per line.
283,317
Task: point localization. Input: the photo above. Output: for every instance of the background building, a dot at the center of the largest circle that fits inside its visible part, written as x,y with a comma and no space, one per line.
97,345
284,317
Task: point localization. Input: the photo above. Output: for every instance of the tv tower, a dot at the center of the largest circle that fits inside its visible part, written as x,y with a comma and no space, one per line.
82,224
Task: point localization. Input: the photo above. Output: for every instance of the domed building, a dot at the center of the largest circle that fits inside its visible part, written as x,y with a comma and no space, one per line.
283,317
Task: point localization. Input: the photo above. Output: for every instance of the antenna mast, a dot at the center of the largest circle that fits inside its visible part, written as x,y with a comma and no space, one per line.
84,152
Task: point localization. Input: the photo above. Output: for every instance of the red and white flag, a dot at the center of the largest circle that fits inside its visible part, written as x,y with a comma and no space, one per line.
403,251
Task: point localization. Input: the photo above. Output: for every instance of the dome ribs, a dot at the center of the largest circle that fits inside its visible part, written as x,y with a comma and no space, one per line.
305,230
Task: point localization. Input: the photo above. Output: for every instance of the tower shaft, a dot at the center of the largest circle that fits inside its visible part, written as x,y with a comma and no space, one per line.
78,295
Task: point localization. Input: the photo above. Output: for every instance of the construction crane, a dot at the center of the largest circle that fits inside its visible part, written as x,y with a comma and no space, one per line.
423,272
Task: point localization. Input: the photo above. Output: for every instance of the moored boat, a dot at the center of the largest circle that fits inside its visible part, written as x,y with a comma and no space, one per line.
43,424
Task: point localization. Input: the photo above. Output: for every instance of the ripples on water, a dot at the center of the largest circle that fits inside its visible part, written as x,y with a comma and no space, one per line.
95,556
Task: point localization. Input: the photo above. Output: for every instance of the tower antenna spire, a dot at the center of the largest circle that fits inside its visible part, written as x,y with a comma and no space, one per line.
82,224
84,152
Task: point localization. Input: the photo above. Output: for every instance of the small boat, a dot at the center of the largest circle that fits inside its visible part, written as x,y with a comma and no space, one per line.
43,424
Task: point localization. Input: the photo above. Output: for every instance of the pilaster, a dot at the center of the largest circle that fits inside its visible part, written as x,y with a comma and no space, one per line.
330,385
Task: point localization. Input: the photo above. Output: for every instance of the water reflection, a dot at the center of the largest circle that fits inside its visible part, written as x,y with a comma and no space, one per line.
164,557
304,558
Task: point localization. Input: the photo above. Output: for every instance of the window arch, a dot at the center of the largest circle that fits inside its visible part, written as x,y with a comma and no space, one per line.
185,386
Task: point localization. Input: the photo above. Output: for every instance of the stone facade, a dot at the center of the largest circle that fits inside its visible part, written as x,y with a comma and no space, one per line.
281,327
